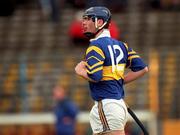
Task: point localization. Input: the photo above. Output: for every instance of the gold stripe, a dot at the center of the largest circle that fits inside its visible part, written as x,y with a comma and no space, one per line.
105,126
103,117
109,75
97,64
105,121
97,49
132,57
94,58
95,70
132,52
100,116
126,45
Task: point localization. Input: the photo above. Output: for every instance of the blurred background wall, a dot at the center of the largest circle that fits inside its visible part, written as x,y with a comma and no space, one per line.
37,52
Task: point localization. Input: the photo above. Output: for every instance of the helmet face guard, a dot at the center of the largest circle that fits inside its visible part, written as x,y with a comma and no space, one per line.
97,13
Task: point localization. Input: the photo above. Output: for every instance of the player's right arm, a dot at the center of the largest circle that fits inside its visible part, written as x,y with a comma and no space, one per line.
80,70
94,62
91,68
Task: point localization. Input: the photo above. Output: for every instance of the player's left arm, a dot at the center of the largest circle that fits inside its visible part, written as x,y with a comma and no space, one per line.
137,66
131,75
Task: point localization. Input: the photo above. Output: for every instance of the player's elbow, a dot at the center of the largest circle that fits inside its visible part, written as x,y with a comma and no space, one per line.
146,69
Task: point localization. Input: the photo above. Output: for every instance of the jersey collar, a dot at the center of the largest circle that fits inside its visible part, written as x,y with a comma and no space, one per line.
105,33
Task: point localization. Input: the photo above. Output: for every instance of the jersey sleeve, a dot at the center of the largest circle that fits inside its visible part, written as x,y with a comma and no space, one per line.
134,62
94,62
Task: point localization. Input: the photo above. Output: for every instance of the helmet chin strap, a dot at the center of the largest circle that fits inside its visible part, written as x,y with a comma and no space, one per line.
91,35
96,26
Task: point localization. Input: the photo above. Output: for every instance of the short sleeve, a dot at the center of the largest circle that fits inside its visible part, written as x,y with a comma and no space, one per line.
94,62
134,62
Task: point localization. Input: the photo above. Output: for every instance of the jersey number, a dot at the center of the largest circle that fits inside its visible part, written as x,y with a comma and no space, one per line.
116,59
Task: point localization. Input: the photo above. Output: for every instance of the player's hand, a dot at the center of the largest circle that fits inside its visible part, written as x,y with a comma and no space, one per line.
81,71
80,68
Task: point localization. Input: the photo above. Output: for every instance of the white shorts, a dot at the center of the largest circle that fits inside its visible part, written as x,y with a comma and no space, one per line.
107,115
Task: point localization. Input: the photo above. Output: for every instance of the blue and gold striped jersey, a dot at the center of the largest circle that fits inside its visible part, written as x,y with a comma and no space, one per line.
106,61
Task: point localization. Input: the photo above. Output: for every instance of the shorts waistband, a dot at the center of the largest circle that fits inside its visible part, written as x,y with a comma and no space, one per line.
104,101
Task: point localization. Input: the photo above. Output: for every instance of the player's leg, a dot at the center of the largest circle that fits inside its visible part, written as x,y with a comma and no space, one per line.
108,117
118,132
116,113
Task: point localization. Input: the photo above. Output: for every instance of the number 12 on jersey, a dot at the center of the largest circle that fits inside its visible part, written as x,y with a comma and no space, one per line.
116,55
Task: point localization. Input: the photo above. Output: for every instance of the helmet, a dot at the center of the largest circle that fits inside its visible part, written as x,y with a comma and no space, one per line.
98,13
